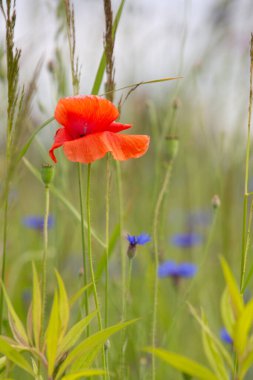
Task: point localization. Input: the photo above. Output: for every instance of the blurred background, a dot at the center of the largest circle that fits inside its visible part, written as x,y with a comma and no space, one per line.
205,42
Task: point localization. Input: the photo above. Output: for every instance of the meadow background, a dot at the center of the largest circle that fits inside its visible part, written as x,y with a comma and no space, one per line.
207,43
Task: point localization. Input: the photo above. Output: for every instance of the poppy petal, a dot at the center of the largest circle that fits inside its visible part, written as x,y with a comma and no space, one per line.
93,147
117,127
60,138
82,115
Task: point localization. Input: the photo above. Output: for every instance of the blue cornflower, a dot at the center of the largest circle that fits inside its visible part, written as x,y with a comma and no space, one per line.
134,241
36,222
186,240
224,335
176,271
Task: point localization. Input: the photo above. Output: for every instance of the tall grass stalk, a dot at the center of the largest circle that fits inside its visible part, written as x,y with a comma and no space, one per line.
109,89
156,258
246,195
13,107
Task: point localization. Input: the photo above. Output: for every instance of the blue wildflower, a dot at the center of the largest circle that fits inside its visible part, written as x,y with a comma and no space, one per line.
224,335
136,240
186,240
176,271
36,222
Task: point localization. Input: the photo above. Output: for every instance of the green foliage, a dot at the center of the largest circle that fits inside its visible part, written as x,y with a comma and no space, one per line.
238,320
61,351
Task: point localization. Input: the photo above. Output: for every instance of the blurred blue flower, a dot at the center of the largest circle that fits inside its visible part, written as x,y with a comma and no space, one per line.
186,240
224,335
172,269
134,241
138,240
36,222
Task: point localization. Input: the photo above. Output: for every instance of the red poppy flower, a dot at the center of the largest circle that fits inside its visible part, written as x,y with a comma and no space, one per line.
90,131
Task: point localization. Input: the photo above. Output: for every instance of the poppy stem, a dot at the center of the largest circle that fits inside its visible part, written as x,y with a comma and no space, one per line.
80,182
123,267
45,255
90,259
156,257
107,231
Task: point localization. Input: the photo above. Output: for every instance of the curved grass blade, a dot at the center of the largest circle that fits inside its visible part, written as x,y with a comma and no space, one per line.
85,373
183,364
236,297
30,140
16,325
89,344
63,199
13,355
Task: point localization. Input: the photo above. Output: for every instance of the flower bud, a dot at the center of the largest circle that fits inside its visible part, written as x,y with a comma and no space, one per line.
176,103
131,251
47,174
216,202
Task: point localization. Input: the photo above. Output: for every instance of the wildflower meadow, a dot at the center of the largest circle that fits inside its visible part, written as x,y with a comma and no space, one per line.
126,190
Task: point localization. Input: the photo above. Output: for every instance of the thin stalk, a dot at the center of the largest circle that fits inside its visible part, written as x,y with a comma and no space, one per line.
85,275
89,246
127,297
123,269
45,255
5,224
155,237
245,202
248,244
107,231
107,242
129,279
122,252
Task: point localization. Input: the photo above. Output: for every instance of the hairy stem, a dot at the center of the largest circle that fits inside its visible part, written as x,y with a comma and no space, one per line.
85,275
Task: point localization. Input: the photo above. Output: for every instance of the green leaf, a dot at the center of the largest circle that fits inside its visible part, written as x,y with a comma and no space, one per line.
183,364
102,63
63,306
14,356
16,325
52,335
245,365
87,346
36,308
78,294
219,345
74,334
227,312
2,362
213,353
236,297
242,328
85,373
